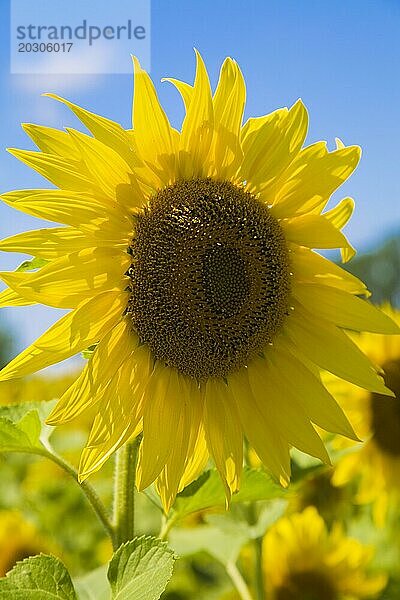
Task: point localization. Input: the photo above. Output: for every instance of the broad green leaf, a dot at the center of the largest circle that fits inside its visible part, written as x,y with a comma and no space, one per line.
32,264
93,585
140,569
224,545
207,492
38,578
22,428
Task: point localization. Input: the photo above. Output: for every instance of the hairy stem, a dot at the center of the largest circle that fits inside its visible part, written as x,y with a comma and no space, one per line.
124,492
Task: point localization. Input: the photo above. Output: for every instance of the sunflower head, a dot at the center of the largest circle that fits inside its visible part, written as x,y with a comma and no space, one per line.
187,261
306,562
18,540
376,464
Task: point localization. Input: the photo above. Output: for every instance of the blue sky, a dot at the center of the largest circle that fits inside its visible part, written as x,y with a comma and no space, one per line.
342,58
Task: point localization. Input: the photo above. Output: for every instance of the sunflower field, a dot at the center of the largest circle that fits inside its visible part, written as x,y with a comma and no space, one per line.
227,423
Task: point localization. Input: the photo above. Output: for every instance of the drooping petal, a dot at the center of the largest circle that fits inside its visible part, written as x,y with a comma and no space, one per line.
318,403
185,90
310,267
262,433
117,421
223,434
343,309
187,430
162,411
331,349
114,348
280,405
71,334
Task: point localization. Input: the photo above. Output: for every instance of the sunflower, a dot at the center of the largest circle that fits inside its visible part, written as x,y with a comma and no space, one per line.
187,263
305,562
18,540
376,464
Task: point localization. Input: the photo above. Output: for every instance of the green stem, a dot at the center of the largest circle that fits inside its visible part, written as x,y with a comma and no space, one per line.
90,493
124,492
238,581
258,570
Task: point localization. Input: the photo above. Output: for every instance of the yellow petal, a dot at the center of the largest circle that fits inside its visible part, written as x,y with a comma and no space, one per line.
279,404
310,267
9,297
311,179
223,434
343,309
114,348
47,243
52,141
152,129
313,231
185,90
197,127
339,216
103,220
262,433
331,349
108,169
63,172
66,281
118,419
229,101
319,405
71,334
105,130
161,414
274,147
187,426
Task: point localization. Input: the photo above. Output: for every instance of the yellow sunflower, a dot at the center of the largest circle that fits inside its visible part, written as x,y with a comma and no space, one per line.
18,540
306,562
377,421
187,260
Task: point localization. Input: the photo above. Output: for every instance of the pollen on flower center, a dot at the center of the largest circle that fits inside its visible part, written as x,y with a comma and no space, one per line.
386,412
209,277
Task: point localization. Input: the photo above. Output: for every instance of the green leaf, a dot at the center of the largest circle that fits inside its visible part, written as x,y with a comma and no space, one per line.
22,428
89,351
93,585
208,492
222,544
140,569
38,578
32,264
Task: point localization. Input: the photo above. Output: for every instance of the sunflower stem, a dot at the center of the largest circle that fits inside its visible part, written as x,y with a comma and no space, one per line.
238,581
124,492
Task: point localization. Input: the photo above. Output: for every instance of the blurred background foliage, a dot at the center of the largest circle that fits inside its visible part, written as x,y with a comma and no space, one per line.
42,509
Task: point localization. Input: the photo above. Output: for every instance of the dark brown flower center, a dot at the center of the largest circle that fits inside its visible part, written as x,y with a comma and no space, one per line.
307,585
210,277
386,412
